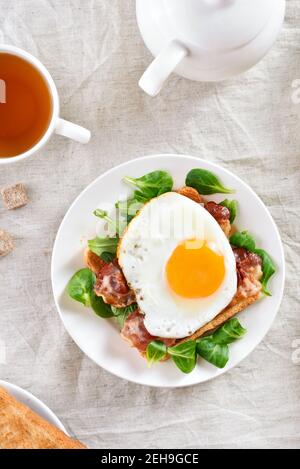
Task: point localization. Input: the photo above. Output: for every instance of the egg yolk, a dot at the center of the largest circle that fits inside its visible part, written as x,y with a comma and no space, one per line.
194,270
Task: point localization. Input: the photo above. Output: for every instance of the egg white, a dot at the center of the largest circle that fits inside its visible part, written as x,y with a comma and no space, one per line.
150,239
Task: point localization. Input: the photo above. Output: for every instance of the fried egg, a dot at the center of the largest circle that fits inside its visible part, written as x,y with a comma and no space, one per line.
179,263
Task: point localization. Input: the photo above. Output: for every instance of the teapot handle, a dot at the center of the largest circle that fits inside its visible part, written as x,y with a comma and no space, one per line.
161,68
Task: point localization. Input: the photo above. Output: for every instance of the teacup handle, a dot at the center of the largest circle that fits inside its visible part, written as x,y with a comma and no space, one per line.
161,68
72,131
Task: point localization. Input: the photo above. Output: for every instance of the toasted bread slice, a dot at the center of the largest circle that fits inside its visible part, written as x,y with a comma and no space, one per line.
93,262
21,428
191,193
235,307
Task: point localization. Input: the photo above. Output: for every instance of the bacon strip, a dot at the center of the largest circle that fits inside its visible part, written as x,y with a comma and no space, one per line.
135,332
249,272
246,259
112,286
221,215
219,212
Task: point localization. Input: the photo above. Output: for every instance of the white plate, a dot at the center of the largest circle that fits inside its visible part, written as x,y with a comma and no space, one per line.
33,403
99,338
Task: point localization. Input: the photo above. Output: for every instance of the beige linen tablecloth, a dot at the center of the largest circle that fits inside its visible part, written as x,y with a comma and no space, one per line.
249,124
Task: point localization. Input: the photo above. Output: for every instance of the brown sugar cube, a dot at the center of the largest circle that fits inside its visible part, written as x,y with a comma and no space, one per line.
6,243
14,196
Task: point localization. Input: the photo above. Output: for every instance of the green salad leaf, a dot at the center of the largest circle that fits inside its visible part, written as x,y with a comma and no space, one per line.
81,289
205,182
129,208
121,314
80,286
100,308
147,187
117,227
100,245
244,240
150,185
229,332
213,348
107,257
268,268
232,207
184,356
156,351
216,354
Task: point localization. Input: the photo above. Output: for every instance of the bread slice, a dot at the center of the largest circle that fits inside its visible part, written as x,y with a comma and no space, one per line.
93,262
21,428
236,306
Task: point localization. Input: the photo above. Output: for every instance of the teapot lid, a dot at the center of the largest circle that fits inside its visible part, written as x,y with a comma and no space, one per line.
216,25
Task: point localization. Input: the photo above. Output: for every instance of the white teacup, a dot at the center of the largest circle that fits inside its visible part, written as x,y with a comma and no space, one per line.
56,124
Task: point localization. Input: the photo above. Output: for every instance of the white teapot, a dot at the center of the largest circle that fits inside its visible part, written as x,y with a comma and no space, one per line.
206,40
